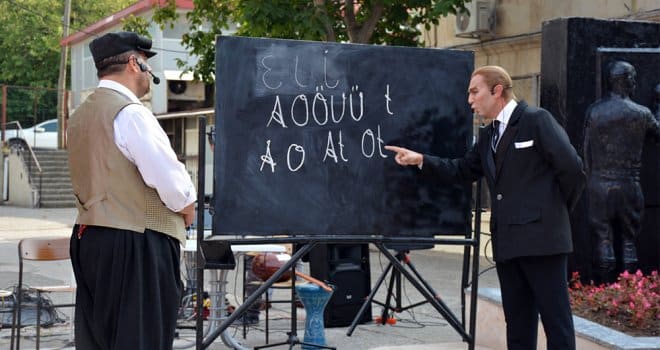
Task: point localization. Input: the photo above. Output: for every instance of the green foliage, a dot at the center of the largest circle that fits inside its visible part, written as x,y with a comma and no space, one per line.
138,25
30,106
26,46
391,22
30,34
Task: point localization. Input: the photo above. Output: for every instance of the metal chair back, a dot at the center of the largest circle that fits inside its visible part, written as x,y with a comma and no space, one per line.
38,249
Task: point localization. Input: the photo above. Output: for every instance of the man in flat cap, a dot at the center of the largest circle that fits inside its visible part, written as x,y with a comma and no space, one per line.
134,201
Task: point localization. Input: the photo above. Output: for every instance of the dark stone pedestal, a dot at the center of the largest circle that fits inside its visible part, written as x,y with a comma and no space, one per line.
648,244
574,53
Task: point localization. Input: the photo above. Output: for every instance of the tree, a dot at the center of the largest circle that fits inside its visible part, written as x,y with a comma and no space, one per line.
31,34
29,42
392,22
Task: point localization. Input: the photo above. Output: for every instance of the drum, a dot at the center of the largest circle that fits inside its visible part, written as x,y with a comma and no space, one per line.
314,298
265,265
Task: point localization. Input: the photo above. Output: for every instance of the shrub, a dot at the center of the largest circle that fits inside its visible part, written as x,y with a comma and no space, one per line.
632,303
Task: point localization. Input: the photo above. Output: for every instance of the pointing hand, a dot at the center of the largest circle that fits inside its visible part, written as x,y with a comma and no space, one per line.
405,156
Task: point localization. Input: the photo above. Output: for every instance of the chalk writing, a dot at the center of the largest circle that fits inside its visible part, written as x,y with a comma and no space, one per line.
276,113
295,74
302,98
332,108
268,70
322,99
298,149
330,148
373,141
350,99
326,104
325,72
388,100
267,159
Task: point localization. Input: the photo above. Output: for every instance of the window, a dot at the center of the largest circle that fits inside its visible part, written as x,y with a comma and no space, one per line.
50,126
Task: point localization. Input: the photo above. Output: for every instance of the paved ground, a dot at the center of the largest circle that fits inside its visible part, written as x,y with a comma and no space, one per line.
419,328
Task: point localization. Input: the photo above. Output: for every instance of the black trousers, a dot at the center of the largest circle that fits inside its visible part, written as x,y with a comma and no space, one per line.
531,286
129,289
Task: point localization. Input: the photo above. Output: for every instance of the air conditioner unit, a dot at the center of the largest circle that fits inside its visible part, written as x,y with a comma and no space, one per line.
182,90
480,21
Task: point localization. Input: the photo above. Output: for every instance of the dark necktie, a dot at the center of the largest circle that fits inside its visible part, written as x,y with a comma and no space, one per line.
496,135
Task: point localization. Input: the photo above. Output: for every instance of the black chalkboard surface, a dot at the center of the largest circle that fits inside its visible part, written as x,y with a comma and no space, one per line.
300,133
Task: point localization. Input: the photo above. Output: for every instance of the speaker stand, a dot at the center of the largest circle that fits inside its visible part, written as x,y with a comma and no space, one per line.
417,281
395,282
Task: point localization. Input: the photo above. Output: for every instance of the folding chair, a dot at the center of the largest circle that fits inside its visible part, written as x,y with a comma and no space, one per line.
38,249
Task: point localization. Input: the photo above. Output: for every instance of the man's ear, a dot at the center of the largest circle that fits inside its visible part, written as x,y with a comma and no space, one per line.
497,89
133,64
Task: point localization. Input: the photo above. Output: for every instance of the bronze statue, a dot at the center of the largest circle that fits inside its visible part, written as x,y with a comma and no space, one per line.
614,137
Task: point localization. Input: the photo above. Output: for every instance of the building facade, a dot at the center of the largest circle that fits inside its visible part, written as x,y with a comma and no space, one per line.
508,32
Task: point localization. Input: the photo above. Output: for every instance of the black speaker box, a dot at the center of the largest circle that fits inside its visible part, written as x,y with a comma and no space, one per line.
346,266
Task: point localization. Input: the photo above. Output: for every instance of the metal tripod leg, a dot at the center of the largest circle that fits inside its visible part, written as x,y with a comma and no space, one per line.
369,300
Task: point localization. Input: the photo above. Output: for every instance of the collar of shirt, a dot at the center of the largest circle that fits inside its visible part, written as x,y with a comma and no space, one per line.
113,85
505,115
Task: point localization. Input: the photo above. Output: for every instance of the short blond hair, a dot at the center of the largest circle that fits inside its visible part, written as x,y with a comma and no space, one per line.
496,75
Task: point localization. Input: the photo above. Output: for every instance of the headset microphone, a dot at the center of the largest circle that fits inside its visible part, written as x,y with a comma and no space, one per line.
155,79
144,68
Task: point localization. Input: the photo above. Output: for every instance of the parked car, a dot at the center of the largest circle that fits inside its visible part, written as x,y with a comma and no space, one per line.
42,135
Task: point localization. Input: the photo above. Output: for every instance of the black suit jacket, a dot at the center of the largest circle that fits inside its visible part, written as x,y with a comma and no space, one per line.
535,179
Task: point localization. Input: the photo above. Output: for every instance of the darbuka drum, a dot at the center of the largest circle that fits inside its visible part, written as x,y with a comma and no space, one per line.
265,265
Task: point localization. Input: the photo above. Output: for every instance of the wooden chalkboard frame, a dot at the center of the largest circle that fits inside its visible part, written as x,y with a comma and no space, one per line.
287,164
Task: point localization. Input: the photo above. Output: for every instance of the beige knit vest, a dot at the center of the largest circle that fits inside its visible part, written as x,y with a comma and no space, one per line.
109,189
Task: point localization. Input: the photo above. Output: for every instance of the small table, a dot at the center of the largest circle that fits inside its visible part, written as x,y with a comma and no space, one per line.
218,282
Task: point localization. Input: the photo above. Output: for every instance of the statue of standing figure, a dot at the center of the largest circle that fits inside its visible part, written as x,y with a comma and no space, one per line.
614,137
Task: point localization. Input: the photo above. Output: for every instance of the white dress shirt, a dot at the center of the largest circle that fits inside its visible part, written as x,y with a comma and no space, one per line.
504,116
141,139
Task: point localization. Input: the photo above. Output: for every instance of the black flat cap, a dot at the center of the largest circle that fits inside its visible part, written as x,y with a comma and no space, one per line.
113,44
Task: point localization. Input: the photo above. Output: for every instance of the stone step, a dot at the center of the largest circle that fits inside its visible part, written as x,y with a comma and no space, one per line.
57,185
46,155
49,172
54,179
48,151
64,173
49,162
56,191
57,203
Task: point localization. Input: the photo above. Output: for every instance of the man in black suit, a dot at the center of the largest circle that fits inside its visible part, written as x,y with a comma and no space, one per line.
535,178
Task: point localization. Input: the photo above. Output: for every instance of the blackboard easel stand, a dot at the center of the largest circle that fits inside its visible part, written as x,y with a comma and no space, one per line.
307,243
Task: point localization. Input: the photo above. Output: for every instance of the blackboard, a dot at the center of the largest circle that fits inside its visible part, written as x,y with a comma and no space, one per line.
300,133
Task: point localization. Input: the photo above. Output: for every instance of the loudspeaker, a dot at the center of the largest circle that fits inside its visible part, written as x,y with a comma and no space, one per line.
346,266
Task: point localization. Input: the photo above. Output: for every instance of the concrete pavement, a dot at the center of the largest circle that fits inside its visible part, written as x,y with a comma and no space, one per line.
419,328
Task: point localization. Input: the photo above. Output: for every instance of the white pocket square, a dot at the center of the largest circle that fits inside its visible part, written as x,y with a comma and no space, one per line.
524,144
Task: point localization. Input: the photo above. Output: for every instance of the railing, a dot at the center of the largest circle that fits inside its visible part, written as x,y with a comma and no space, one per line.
19,131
